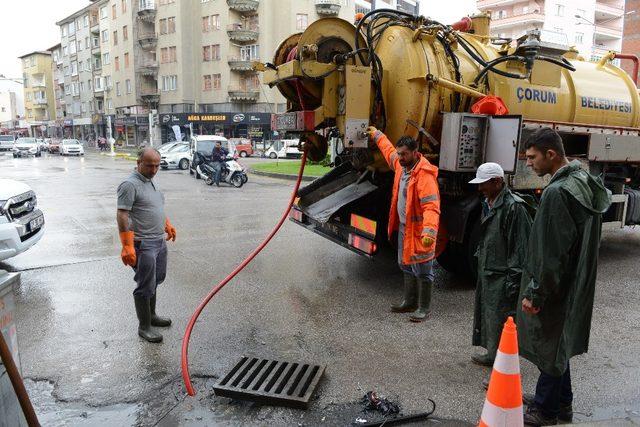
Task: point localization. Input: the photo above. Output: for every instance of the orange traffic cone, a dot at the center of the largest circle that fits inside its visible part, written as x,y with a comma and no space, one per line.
503,405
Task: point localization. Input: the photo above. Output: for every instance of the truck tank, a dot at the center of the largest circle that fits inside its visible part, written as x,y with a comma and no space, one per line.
427,68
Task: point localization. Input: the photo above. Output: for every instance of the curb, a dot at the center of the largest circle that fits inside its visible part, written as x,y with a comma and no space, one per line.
123,156
283,176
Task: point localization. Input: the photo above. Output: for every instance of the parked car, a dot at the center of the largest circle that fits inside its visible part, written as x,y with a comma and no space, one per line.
168,146
21,223
179,156
243,146
54,146
204,145
284,148
26,147
6,142
71,147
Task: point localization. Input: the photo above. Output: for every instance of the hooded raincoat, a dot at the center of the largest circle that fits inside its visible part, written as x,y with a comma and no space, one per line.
501,253
423,204
560,273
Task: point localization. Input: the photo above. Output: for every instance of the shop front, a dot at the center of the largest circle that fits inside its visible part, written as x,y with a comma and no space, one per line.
132,131
254,126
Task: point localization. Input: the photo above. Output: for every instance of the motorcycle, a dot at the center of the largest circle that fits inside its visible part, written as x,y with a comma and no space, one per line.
232,172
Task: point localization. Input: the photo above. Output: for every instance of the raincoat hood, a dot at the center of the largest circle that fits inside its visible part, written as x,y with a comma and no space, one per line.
584,187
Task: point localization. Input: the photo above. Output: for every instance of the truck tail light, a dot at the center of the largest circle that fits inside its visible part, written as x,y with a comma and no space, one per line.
362,244
296,214
364,225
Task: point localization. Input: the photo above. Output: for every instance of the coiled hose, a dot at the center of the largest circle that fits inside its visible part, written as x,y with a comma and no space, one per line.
194,317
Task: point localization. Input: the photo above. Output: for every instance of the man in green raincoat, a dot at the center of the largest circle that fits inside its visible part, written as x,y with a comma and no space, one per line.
504,232
558,284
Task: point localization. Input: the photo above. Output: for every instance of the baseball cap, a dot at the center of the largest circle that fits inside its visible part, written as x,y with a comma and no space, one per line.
486,171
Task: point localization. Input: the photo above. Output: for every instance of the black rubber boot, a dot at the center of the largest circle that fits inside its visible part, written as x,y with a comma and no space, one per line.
424,301
410,300
156,320
143,310
534,417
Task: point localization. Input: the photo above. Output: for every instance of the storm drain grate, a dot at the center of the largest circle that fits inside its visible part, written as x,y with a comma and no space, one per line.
272,382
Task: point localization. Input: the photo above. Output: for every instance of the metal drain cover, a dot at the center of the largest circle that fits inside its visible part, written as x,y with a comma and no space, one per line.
272,382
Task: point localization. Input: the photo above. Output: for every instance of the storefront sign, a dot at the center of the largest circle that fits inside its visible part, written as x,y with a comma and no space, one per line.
68,122
170,119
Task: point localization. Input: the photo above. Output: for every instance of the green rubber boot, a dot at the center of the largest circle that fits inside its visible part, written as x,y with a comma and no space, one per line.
143,310
424,301
156,320
410,301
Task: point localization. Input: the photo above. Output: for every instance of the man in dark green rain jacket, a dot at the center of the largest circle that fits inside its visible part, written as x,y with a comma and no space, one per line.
558,284
504,231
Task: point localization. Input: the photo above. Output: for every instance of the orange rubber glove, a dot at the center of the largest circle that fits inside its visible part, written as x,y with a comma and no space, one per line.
170,230
128,253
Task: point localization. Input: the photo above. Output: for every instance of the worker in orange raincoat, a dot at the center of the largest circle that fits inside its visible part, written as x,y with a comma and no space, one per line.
414,215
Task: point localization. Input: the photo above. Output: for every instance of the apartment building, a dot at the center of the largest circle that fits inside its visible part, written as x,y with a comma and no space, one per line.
409,6
56,127
631,33
39,99
594,27
8,109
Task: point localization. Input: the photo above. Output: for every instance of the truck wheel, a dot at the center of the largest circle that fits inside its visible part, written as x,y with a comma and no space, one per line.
273,155
243,154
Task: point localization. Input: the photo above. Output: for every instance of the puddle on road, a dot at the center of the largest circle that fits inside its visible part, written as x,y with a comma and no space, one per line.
54,413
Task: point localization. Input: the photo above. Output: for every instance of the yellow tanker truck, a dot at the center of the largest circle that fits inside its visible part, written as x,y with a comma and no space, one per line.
410,75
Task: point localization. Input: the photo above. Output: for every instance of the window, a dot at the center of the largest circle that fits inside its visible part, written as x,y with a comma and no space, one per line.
105,36
95,42
559,10
128,85
579,38
107,82
210,23
97,64
81,86
126,60
124,6
502,14
169,83
72,28
118,89
217,81
113,11
168,54
72,48
67,89
115,38
211,53
106,58
103,12
110,104
85,20
65,50
117,63
86,43
125,33
302,21
63,29
79,45
206,84
74,68
80,66
89,84
171,25
250,53
67,72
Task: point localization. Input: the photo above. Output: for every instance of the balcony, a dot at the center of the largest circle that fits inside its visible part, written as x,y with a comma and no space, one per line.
95,49
147,68
149,94
40,102
238,64
147,10
609,10
98,93
604,33
534,17
328,7
489,4
244,94
243,6
148,39
243,33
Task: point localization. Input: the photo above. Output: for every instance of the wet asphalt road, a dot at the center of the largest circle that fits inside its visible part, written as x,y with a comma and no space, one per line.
303,298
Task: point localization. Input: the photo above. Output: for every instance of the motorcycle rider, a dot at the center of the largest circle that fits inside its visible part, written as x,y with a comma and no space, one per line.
218,157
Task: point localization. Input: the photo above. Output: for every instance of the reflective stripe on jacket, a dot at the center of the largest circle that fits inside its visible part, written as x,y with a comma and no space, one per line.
423,204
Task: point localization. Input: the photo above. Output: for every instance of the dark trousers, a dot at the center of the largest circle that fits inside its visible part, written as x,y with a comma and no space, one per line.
553,392
151,266
217,171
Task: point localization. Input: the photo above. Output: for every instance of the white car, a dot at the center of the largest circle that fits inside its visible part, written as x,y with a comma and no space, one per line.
21,223
178,156
71,147
284,148
26,147
168,146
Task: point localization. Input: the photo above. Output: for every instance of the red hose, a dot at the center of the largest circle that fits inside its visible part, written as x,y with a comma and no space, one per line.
194,317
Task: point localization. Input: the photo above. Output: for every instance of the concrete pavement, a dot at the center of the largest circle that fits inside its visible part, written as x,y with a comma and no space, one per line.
303,298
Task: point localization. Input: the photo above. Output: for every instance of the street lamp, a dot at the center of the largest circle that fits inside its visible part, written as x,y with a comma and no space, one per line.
594,24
